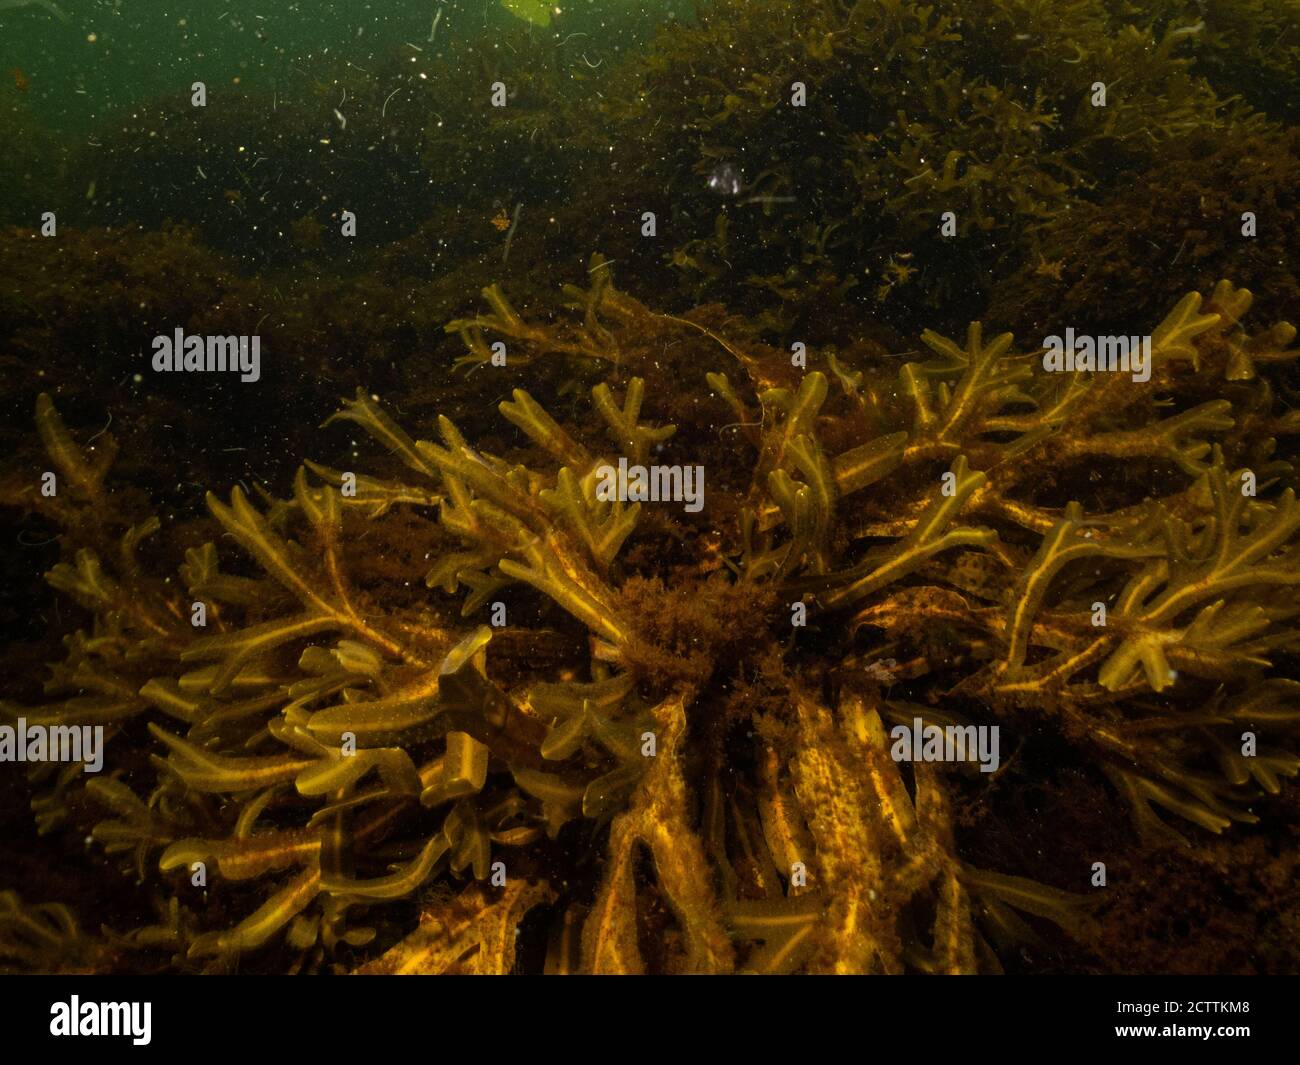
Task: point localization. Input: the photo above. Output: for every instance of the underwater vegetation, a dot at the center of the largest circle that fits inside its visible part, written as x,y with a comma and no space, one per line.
70,302
534,11
451,703
1120,260
986,109
1247,48
448,710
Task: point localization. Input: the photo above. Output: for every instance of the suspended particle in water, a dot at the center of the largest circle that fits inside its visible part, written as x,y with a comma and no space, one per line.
725,180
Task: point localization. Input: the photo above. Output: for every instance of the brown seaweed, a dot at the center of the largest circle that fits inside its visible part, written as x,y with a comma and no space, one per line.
339,746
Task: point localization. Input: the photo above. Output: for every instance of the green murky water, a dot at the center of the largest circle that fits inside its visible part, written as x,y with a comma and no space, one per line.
112,54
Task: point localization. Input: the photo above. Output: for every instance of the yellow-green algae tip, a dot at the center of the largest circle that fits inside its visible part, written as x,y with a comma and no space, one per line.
534,11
